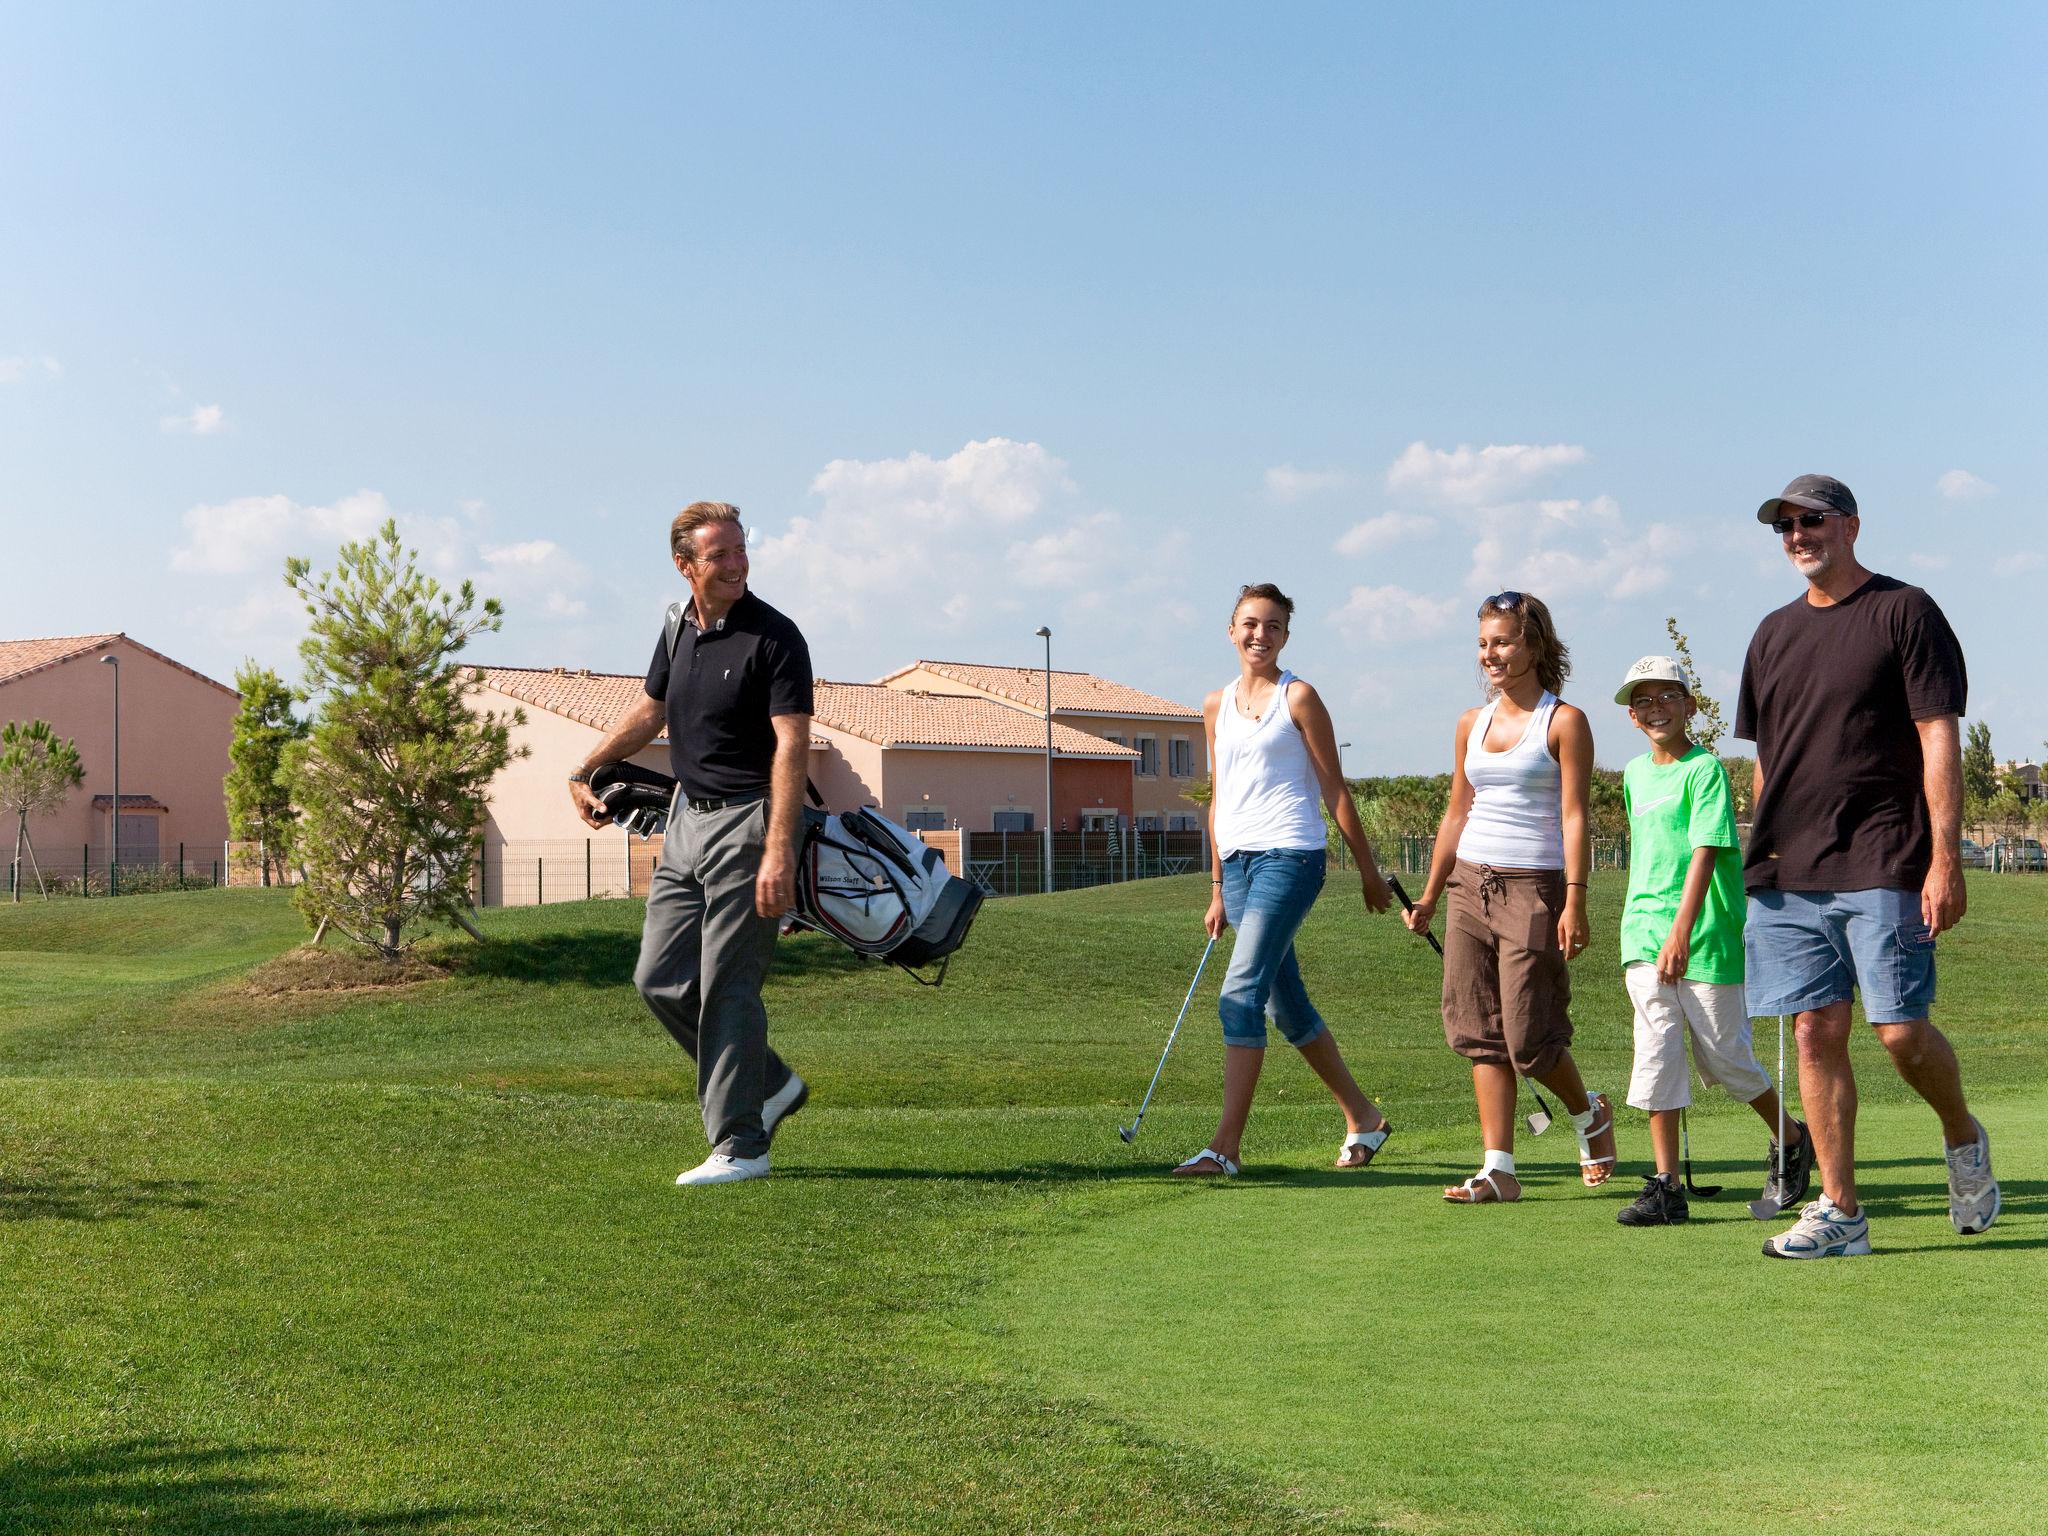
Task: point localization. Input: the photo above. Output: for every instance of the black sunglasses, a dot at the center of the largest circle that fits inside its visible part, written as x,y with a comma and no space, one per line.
1803,520
1506,602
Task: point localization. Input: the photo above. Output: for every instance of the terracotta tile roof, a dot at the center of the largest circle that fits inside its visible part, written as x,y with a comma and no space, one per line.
595,699
905,717
18,658
1073,693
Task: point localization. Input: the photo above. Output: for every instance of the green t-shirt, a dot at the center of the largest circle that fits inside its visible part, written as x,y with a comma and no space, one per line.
1674,808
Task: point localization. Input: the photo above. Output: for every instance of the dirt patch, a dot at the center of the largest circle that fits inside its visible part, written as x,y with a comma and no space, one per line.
307,969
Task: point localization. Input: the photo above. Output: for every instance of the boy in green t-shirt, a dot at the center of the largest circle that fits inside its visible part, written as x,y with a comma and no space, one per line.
1681,942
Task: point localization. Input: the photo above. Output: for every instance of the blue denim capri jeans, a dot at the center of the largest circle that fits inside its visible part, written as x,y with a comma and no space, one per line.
1266,894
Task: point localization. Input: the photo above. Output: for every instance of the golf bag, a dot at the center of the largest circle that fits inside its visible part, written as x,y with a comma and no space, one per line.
873,886
881,890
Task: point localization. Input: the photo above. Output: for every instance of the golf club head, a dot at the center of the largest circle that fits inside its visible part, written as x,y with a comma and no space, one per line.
1538,1122
1703,1191
1127,1131
1764,1208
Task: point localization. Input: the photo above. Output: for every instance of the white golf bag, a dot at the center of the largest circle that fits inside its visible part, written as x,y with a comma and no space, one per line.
881,890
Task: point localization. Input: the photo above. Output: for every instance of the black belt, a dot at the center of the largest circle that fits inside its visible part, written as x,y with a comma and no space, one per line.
730,801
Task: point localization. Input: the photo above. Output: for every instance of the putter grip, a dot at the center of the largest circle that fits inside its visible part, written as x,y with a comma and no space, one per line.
1408,906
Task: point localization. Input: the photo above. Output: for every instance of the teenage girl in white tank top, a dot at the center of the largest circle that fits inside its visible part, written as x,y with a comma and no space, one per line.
1514,850
1273,757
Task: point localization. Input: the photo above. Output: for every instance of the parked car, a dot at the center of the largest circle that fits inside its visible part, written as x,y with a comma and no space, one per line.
2019,853
1975,854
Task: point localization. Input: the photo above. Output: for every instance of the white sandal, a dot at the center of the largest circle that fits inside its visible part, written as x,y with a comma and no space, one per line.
1225,1167
1595,1171
1468,1193
1370,1141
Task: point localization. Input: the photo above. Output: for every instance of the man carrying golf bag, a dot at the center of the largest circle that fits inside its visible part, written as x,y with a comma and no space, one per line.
731,678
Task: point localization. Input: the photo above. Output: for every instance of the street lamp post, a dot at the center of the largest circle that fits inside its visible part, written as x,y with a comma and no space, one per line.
1046,635
114,869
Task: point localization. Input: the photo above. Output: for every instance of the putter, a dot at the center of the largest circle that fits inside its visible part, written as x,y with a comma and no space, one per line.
1764,1207
1540,1121
1704,1191
1130,1132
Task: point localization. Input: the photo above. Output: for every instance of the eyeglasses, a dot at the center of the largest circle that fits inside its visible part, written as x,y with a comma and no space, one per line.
1504,602
1808,520
1670,698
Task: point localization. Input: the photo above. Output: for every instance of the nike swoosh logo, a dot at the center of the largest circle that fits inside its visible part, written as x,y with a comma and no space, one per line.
1651,805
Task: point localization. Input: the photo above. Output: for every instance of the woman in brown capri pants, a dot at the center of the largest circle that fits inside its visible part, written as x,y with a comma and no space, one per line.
1512,853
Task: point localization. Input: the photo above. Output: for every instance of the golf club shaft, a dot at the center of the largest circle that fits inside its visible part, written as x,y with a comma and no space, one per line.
1394,885
1173,1034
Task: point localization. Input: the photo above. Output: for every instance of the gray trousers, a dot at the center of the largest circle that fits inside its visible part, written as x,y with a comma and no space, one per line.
703,956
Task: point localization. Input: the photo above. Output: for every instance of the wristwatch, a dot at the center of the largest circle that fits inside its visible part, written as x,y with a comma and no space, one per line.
579,777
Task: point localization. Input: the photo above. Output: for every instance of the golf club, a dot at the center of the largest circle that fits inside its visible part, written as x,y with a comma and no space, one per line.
1704,1191
1130,1132
1540,1121
1767,1205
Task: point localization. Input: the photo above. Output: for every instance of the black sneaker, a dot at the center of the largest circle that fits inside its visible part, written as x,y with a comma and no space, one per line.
1788,1186
1661,1204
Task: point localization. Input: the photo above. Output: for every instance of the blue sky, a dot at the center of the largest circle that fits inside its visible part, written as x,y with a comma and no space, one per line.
1051,314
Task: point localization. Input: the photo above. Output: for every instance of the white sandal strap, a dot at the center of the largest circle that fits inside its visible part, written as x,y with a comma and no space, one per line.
1229,1168
1372,1141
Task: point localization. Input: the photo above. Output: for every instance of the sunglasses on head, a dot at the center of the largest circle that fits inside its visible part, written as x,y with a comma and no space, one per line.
1505,602
1808,520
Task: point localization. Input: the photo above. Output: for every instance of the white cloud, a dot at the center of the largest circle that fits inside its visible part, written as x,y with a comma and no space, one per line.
530,555
1285,483
200,421
963,555
231,538
1381,532
1573,549
2018,563
1961,485
20,366
1930,562
1391,615
1474,477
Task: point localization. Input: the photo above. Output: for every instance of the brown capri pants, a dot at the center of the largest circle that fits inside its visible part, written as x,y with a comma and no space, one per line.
1507,994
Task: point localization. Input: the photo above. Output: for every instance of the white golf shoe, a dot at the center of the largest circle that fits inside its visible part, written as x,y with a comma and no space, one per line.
1972,1193
780,1105
721,1169
1821,1232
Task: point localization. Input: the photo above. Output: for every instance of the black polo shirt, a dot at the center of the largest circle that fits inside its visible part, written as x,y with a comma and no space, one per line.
725,685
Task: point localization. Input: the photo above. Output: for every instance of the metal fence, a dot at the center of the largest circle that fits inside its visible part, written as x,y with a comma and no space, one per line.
88,869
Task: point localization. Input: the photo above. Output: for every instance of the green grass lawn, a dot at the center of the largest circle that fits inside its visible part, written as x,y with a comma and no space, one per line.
414,1261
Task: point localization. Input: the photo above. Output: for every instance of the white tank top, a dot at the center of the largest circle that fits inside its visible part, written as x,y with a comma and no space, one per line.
1266,794
1516,821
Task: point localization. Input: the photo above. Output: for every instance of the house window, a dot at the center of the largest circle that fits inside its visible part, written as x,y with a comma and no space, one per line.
1009,819
1097,821
1116,738
925,818
1149,824
1148,756
1184,824
1181,758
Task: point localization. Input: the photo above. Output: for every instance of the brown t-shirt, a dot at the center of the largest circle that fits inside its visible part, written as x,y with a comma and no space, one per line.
1830,697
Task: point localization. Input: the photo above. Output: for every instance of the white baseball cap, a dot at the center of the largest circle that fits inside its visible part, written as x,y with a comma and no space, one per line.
1652,669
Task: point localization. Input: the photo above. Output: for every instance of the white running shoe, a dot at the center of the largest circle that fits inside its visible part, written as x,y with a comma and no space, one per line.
779,1106
721,1169
1972,1193
1821,1232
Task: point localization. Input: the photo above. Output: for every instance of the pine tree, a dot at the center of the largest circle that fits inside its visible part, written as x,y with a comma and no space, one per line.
259,795
1707,728
1980,768
390,784
38,771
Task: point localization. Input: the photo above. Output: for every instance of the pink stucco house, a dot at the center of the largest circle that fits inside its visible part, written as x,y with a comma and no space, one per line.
176,725
1165,738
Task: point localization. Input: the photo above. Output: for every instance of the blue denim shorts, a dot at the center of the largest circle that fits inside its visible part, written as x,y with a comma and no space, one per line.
1806,949
1266,894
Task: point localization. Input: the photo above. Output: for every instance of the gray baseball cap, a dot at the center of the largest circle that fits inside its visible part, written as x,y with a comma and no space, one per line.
1652,669
1810,493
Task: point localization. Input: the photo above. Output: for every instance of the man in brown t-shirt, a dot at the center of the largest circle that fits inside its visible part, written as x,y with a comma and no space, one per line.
1853,694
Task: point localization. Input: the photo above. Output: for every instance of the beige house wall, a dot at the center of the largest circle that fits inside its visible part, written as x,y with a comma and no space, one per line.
847,771
529,799
175,731
971,786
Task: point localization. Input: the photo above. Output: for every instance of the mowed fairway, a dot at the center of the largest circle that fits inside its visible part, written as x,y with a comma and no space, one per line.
413,1261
